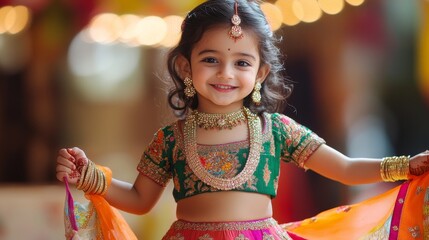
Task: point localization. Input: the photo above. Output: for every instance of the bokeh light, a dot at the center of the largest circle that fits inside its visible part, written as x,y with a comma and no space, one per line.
174,32
355,2
152,30
331,6
273,14
101,71
14,19
289,17
307,10
105,28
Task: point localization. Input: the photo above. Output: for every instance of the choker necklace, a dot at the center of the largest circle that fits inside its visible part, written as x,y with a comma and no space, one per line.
219,120
194,162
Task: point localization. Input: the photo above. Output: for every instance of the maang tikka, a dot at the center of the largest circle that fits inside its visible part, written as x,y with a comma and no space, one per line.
236,32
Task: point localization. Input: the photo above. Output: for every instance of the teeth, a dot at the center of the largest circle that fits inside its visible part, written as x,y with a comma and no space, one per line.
223,87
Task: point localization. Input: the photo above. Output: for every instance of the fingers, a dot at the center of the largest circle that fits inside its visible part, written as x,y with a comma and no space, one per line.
65,159
61,175
76,152
69,163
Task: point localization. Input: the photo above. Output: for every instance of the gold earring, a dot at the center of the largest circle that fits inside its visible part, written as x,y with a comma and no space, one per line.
256,94
189,89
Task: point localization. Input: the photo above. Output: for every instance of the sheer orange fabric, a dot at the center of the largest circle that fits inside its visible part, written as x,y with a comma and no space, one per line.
374,218
95,219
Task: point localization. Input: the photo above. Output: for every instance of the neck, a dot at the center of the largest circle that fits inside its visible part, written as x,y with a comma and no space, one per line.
209,107
219,120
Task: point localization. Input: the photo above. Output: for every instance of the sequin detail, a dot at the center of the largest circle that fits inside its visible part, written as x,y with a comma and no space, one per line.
164,158
194,162
263,229
225,226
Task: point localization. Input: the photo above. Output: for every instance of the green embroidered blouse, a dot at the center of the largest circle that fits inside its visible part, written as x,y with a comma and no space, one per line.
282,138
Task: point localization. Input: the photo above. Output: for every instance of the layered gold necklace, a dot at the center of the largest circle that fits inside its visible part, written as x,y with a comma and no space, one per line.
219,120
191,153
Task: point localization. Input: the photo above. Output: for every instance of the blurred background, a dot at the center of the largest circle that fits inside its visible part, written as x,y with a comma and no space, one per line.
90,73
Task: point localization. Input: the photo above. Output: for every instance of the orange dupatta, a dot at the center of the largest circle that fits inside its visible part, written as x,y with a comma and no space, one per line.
400,213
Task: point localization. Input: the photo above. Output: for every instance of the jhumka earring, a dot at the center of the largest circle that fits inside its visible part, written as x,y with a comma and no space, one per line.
189,89
236,32
256,94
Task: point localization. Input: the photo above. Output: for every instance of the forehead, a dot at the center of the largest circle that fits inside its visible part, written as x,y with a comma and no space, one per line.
217,38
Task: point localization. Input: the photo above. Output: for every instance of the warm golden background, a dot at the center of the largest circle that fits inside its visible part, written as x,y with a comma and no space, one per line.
89,73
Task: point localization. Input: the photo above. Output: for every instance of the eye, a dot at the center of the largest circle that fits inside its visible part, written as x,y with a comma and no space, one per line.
209,60
243,64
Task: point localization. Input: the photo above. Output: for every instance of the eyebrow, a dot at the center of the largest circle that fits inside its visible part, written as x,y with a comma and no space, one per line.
239,53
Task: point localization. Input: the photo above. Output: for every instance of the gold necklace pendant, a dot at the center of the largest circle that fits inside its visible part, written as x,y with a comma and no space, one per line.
193,159
219,120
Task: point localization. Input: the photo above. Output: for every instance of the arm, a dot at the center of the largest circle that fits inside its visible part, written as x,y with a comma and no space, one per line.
332,164
352,171
138,198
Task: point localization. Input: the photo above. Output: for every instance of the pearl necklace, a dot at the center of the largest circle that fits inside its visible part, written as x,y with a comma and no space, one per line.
219,120
191,153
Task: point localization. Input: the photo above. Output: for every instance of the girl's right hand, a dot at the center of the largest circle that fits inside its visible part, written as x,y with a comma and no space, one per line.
70,162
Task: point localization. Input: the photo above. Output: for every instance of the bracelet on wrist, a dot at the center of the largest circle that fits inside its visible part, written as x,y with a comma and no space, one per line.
94,179
395,168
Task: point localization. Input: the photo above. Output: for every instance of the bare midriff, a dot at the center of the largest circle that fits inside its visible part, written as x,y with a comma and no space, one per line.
224,206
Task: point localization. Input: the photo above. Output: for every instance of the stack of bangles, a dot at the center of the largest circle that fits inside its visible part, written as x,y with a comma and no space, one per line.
94,179
395,168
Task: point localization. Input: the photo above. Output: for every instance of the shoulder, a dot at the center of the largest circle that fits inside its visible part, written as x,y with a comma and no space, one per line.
169,131
279,119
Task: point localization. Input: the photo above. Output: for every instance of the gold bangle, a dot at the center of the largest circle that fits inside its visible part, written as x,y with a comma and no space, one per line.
99,181
82,177
107,173
395,168
89,177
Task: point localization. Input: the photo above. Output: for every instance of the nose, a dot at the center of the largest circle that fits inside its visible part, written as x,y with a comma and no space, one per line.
225,72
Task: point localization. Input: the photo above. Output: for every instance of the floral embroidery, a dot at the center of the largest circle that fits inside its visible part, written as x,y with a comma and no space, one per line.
221,164
267,174
282,138
418,190
268,237
426,213
414,231
206,237
225,226
250,184
158,144
299,141
241,237
177,237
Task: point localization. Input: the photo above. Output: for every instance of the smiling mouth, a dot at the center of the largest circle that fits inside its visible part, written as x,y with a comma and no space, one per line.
223,87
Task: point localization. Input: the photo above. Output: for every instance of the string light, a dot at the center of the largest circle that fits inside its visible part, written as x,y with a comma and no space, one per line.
155,31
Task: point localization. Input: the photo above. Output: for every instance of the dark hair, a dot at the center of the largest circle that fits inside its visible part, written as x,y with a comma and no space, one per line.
275,88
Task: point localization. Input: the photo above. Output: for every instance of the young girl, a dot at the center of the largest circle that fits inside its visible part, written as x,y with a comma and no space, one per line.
224,152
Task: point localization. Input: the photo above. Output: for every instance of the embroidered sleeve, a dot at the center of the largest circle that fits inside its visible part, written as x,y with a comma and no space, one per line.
155,159
297,142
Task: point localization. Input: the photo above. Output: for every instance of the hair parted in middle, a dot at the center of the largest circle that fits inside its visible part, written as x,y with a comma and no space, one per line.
212,13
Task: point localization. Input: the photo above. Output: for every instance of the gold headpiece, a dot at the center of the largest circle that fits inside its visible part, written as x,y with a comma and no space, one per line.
236,32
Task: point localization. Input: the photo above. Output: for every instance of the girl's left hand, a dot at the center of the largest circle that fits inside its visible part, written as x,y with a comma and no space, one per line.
419,164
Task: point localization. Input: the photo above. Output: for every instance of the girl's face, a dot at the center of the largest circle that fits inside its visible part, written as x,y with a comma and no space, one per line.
224,71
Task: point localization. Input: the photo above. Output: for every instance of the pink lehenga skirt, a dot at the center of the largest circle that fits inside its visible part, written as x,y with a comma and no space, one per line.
263,229
401,213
